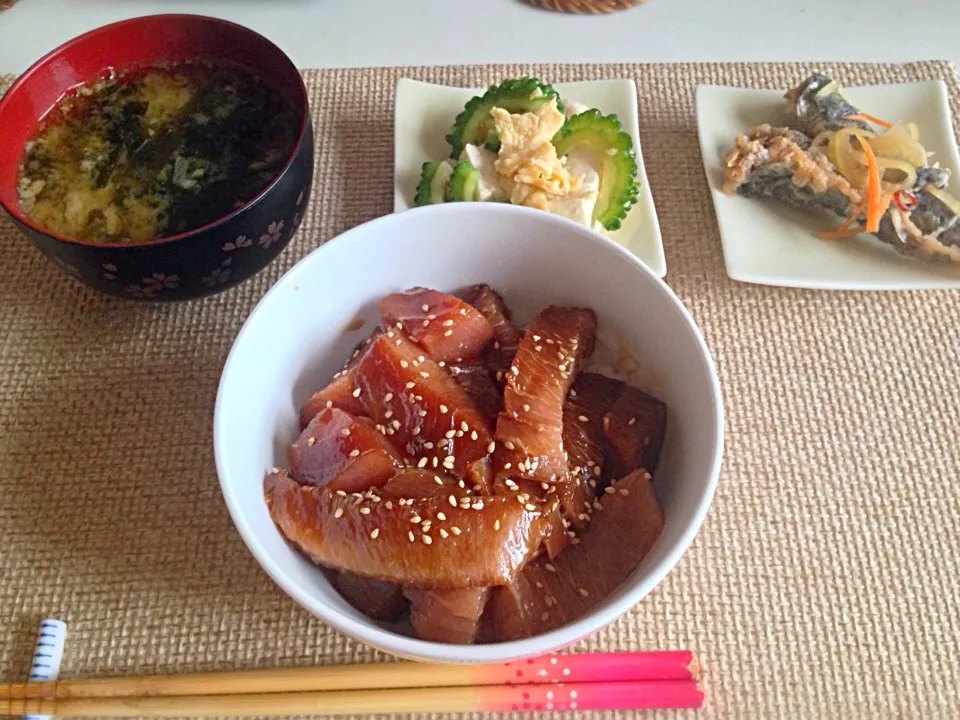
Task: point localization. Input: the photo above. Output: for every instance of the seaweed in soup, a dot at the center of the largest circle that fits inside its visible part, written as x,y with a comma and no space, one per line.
155,153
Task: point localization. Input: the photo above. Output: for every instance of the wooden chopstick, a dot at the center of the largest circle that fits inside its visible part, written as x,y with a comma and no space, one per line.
491,698
575,668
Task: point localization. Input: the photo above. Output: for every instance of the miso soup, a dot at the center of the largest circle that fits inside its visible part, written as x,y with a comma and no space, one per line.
152,153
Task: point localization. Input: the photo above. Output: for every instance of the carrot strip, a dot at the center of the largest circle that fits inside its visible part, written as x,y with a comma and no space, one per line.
874,199
864,117
843,230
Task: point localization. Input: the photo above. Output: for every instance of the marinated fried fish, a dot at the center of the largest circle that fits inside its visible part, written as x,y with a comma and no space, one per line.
818,164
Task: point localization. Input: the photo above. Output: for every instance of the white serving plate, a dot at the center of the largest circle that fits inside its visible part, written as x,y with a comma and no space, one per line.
424,113
766,243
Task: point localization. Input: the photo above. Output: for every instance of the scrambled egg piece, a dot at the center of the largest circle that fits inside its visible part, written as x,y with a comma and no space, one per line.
528,167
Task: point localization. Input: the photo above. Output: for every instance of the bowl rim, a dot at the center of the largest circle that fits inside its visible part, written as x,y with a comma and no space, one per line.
287,66
423,650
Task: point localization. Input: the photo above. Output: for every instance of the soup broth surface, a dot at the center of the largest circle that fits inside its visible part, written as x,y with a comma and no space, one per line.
148,154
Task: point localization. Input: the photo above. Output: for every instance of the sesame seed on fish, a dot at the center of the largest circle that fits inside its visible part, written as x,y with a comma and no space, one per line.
354,453
374,533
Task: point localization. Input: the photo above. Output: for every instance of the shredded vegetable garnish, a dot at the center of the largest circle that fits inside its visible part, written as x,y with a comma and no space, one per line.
877,202
864,117
843,230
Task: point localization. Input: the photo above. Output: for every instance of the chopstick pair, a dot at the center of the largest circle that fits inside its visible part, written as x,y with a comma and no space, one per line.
588,681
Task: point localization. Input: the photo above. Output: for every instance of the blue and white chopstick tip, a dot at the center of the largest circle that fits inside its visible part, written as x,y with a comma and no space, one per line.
47,655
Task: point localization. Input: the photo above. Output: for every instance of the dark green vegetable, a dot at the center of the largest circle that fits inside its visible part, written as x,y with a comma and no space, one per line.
464,183
473,125
434,180
601,136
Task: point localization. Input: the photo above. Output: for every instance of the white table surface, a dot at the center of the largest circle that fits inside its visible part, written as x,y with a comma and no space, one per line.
331,33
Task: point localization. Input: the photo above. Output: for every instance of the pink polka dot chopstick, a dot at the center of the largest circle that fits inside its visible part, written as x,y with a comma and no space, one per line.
586,681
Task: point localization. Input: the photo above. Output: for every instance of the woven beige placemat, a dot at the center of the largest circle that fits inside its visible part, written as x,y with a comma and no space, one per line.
824,583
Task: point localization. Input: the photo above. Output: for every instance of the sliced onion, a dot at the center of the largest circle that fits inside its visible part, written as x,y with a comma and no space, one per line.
898,143
822,140
850,162
908,170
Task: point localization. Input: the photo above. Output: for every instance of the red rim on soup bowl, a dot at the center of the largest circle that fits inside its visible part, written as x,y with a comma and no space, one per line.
201,261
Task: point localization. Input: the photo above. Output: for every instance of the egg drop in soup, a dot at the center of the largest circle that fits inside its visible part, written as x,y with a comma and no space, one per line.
152,153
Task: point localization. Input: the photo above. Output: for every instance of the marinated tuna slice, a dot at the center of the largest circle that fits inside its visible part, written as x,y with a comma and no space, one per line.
436,543
491,306
339,393
583,438
374,598
343,452
546,595
529,431
634,428
506,335
419,484
474,378
447,616
422,410
444,325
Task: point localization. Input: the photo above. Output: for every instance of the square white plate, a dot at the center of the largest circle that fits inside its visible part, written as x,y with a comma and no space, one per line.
764,242
425,112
